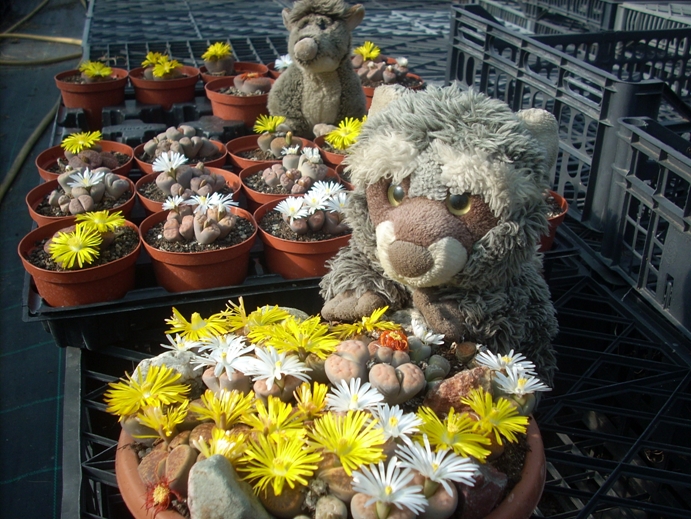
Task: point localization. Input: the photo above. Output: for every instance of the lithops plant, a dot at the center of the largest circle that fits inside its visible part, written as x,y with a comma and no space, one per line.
311,165
159,67
211,220
320,209
182,139
82,150
176,178
373,67
252,83
95,71
83,190
219,59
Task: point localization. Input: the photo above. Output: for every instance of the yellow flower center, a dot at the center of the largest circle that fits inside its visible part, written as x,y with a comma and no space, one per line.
160,494
279,467
197,322
393,421
388,490
278,364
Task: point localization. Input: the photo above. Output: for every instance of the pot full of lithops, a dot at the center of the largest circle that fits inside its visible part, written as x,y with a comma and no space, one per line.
174,177
239,98
92,87
276,413
302,233
183,139
80,191
334,141
199,242
85,259
163,81
374,69
299,168
220,62
84,150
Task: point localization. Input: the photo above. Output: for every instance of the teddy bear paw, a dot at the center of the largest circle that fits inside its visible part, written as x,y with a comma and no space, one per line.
347,307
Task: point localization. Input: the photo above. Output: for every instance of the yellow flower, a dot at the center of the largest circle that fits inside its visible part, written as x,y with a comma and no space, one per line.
197,328
499,418
276,419
311,401
455,432
230,444
367,324
225,409
163,421
302,337
268,123
279,461
217,51
127,396
368,51
80,246
95,69
80,141
346,134
165,67
353,438
152,58
237,318
102,221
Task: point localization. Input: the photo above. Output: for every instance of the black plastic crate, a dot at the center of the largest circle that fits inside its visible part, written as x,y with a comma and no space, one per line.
586,95
615,427
596,14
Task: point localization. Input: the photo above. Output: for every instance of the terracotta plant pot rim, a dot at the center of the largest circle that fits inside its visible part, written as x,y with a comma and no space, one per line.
118,80
147,167
245,143
519,504
241,66
191,76
329,156
369,91
212,92
50,156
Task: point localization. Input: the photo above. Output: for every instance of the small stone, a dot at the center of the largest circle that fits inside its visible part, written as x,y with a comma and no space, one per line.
216,492
330,507
449,393
479,500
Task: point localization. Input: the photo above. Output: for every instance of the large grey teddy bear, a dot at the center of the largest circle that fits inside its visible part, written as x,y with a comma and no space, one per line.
447,215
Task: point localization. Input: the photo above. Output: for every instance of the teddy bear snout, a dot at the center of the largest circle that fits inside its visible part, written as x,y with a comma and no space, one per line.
409,259
306,49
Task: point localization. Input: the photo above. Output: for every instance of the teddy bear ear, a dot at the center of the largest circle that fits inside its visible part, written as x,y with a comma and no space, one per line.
383,95
544,127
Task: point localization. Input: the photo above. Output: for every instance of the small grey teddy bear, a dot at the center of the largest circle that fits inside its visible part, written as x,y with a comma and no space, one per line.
320,86
447,215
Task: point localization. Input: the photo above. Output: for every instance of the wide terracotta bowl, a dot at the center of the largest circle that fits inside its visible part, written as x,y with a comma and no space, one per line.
249,143
165,92
40,192
49,158
151,206
147,168
240,68
235,107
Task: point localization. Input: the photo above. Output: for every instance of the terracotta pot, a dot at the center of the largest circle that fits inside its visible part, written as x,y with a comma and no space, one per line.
40,192
148,168
547,240
330,158
92,97
257,198
180,271
235,108
242,144
519,504
296,259
85,286
240,68
369,91
151,206
49,157
339,172
273,73
164,92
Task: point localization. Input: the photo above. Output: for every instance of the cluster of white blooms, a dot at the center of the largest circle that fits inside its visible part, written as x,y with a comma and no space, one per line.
323,196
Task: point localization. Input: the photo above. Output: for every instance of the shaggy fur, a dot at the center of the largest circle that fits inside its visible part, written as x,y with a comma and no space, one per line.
473,274
323,89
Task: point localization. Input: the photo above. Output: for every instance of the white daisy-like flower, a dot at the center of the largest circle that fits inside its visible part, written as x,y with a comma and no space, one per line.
283,62
498,362
168,161
86,178
201,201
425,335
402,62
395,423
270,365
327,188
292,207
518,382
389,485
227,353
173,203
353,395
224,202
441,466
178,343
313,201
312,155
291,150
337,203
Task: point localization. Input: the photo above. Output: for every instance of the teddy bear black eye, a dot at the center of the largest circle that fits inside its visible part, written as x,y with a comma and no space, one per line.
458,204
396,193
